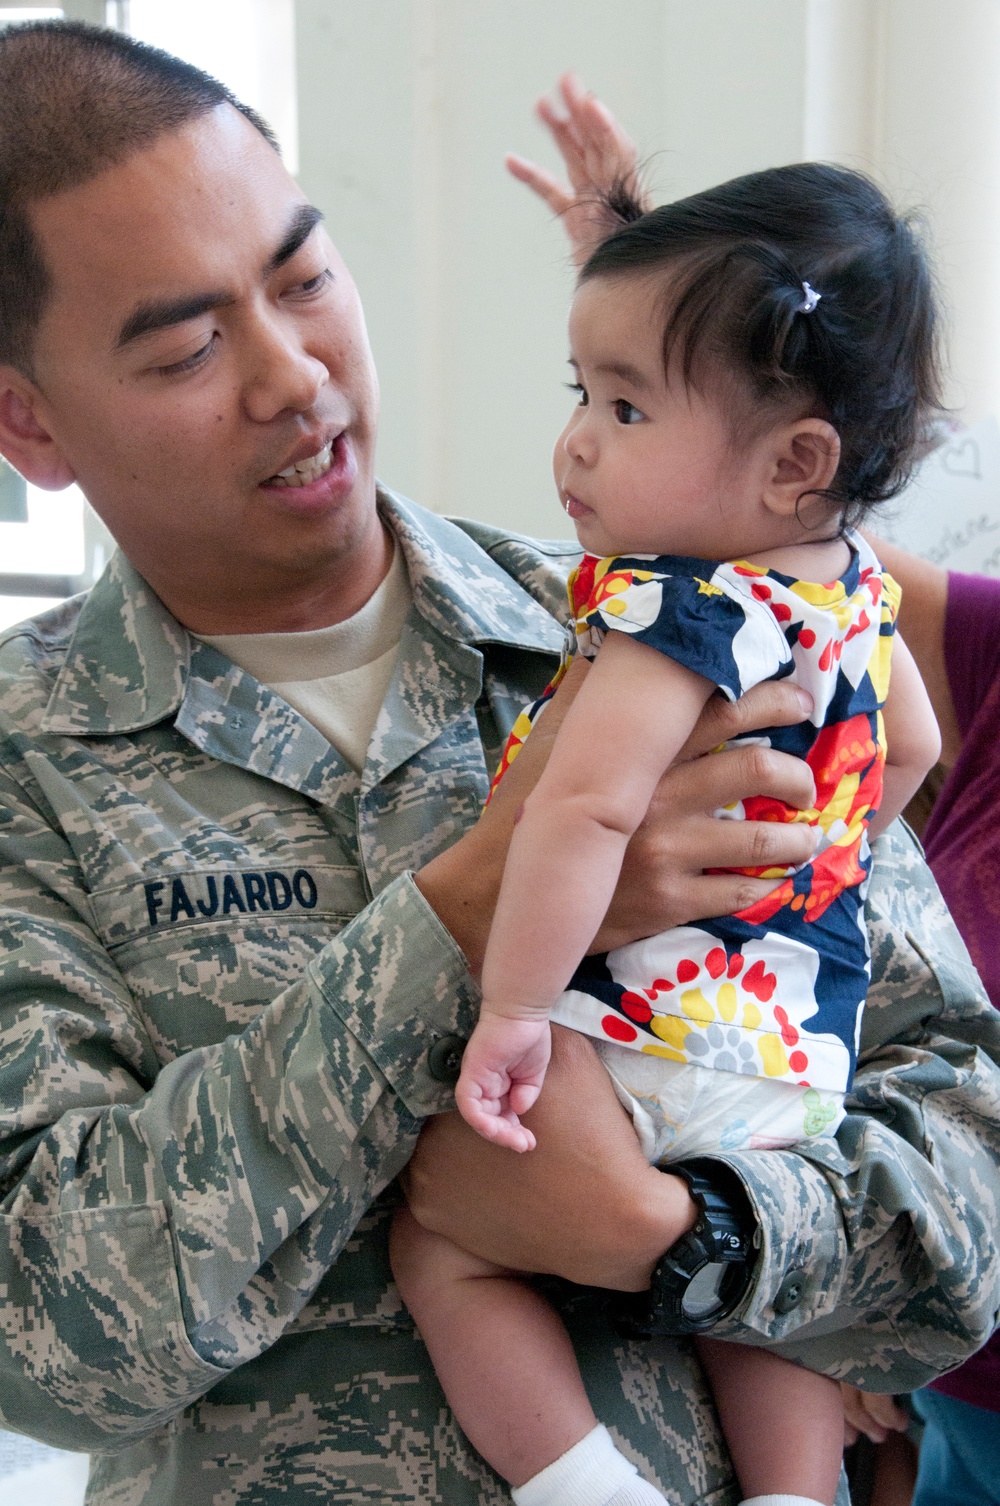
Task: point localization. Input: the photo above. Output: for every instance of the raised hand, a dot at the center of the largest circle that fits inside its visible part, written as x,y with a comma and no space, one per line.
502,1074
598,153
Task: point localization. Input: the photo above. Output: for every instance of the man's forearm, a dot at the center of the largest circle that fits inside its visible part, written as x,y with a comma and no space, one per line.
197,1215
878,1254
584,1205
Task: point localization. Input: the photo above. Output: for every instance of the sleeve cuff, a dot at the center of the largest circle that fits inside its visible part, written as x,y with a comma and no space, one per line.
801,1247
398,981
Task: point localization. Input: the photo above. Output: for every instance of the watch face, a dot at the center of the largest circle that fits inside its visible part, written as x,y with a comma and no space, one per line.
703,1296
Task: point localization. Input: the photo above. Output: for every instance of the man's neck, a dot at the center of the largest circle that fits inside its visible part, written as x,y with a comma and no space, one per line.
280,600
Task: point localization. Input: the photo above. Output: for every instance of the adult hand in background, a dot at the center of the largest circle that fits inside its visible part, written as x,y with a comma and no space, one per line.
598,153
871,1413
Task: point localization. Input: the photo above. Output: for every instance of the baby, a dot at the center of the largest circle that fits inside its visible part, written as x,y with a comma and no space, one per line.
755,369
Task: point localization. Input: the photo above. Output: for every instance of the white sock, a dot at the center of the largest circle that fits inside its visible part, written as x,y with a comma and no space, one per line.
780,1501
591,1473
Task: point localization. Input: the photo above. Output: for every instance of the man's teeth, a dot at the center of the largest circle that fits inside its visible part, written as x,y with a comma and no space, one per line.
304,471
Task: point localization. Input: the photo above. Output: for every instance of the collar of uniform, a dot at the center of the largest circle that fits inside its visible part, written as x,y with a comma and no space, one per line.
459,589
127,663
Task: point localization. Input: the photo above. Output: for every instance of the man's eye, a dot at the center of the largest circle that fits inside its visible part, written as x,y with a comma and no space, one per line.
315,284
178,368
580,390
626,412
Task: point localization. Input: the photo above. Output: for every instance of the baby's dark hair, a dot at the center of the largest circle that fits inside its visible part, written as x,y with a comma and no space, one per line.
865,358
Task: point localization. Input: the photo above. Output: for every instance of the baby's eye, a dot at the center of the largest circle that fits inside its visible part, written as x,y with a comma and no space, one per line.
626,412
581,390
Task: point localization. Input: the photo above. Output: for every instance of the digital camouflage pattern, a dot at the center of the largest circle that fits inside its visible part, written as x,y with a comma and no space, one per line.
204,1097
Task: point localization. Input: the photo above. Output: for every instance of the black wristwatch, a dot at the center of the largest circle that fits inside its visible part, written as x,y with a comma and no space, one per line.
702,1277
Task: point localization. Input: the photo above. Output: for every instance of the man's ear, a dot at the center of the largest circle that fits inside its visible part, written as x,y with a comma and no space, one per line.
804,459
24,437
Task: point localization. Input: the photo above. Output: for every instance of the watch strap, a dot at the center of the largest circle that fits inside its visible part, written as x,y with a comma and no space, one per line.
722,1235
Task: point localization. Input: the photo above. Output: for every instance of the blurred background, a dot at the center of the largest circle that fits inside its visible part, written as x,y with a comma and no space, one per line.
396,115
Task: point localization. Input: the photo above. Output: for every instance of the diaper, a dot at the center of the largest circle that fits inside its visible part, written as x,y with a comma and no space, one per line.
680,1109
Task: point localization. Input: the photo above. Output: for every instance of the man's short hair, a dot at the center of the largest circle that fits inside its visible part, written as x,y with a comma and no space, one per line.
75,100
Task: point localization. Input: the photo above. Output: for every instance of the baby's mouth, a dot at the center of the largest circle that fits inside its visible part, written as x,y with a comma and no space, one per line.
304,471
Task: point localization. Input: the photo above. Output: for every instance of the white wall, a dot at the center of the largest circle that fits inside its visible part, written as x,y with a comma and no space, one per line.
408,106
406,110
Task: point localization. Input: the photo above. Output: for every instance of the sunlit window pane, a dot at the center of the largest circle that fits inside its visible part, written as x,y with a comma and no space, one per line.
11,13
50,542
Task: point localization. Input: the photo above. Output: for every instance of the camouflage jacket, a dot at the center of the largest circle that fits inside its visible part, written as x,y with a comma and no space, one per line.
219,990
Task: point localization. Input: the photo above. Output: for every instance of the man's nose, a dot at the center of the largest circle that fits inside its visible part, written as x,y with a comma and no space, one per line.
283,375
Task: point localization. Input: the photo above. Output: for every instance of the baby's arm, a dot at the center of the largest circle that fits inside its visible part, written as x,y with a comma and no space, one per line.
913,742
631,717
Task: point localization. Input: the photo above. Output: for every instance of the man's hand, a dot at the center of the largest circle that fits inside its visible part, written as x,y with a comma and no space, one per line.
584,1205
598,153
662,882
870,1413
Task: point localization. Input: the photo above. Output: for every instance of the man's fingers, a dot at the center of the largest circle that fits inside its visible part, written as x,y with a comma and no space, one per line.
751,844
723,894
775,703
736,774
678,898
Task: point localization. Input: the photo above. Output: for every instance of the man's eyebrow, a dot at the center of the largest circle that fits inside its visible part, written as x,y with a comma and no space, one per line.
303,223
149,317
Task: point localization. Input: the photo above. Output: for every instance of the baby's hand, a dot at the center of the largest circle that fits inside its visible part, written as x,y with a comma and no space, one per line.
502,1074
871,1413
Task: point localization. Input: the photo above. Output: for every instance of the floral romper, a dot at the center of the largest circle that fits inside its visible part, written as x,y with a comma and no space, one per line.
772,994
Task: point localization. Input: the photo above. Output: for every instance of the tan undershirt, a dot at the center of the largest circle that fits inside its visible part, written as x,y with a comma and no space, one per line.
336,677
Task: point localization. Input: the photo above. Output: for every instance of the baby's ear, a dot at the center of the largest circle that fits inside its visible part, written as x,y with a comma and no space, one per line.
804,458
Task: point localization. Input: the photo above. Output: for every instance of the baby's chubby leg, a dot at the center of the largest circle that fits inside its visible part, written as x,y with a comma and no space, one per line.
784,1425
510,1375
500,1352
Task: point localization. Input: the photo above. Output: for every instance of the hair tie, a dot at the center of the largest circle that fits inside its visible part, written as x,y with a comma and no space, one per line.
810,301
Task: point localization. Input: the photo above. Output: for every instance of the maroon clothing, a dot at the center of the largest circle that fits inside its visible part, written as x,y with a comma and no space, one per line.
963,846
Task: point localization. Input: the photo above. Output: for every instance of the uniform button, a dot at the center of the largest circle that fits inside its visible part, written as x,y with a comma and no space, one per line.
444,1059
790,1292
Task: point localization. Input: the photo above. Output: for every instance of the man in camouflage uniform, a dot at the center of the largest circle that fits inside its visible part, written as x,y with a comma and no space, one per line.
227,1003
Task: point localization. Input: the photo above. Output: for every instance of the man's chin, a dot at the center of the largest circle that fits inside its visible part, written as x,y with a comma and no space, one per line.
309,545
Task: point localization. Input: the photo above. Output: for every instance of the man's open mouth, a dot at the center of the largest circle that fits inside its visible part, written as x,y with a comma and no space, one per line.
304,471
